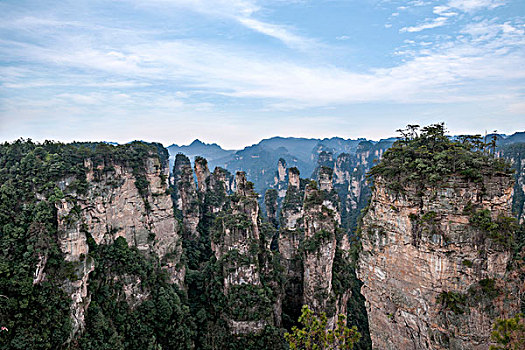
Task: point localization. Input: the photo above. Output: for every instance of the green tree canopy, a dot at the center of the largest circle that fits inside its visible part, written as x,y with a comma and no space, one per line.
315,334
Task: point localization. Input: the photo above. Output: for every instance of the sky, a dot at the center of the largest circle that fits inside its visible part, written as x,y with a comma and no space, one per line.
237,71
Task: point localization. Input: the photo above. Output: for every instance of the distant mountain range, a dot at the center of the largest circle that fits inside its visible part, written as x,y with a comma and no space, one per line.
260,160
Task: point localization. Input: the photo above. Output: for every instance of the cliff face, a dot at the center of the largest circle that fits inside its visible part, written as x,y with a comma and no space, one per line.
113,206
291,234
281,179
314,250
515,153
349,179
242,250
433,276
185,196
319,253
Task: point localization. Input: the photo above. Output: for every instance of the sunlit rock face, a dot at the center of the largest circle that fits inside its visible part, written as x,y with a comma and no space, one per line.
420,250
113,207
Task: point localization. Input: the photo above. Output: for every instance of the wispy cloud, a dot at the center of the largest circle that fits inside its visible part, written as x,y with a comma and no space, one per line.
208,68
278,32
429,24
243,12
443,13
485,51
475,5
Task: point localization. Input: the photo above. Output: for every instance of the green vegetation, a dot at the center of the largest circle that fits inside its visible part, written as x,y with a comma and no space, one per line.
501,231
453,301
315,336
160,320
509,333
312,244
483,291
315,197
270,203
37,313
479,294
428,157
344,279
467,263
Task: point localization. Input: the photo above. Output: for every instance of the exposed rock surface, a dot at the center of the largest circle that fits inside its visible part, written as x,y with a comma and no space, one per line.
291,234
319,253
309,239
420,252
186,198
203,173
113,207
281,179
516,154
238,243
271,205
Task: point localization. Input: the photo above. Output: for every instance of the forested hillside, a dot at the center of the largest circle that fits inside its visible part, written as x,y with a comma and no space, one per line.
103,247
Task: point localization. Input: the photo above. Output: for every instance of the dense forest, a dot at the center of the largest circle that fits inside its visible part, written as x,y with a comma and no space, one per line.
237,279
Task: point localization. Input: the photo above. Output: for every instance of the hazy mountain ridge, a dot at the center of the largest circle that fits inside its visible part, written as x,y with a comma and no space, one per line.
259,160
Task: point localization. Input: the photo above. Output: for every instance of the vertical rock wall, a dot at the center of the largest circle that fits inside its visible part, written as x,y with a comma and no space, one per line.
432,279
186,198
112,207
237,244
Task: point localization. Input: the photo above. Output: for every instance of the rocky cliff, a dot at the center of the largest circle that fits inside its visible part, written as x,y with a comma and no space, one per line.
435,253
120,201
349,176
515,153
291,234
185,195
315,251
239,246
97,247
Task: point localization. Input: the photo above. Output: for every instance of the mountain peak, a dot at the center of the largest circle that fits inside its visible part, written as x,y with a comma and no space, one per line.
197,142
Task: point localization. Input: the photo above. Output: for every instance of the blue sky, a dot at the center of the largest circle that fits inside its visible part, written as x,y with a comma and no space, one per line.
236,71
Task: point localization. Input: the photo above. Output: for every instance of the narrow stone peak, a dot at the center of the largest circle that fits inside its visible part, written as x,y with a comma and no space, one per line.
202,173
325,179
293,178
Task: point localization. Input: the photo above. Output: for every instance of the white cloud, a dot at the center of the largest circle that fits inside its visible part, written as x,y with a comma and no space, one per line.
475,5
241,11
343,37
485,54
429,24
278,32
443,11
487,51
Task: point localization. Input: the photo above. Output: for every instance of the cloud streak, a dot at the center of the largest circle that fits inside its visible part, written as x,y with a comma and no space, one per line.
242,12
475,5
487,50
90,67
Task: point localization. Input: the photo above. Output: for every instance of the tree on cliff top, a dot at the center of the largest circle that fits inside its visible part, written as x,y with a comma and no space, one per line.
315,335
427,156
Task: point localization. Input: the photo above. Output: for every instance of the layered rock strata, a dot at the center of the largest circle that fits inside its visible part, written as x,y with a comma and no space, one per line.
119,202
433,279
186,197
238,243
